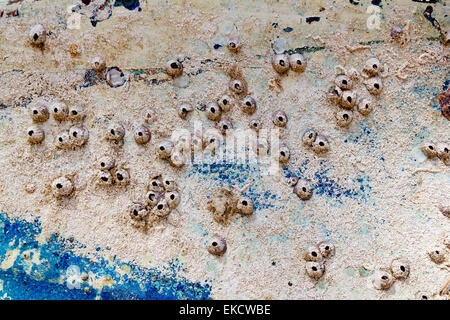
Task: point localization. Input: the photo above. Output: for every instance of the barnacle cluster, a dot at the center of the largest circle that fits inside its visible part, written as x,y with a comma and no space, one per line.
161,198
344,94
73,135
282,62
225,202
315,141
399,270
315,257
303,188
162,195
108,173
440,150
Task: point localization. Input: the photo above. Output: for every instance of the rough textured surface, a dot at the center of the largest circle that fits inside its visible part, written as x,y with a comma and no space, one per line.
376,196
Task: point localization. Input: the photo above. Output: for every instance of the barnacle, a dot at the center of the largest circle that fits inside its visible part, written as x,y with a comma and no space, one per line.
312,253
303,189
174,68
37,34
62,186
400,268
142,135
279,118
217,245
35,134
297,62
245,205
315,269
280,63
39,112
308,137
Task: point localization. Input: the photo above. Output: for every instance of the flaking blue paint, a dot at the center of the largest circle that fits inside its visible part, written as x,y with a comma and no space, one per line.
365,133
128,4
300,219
324,185
427,93
377,3
446,84
46,279
232,174
90,79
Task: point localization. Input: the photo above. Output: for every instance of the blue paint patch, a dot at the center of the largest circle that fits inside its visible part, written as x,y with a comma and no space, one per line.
312,19
46,278
365,133
217,46
300,171
377,3
232,174
428,94
421,133
324,185
94,19
288,29
288,234
329,187
228,174
128,4
302,221
90,79
262,200
427,14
